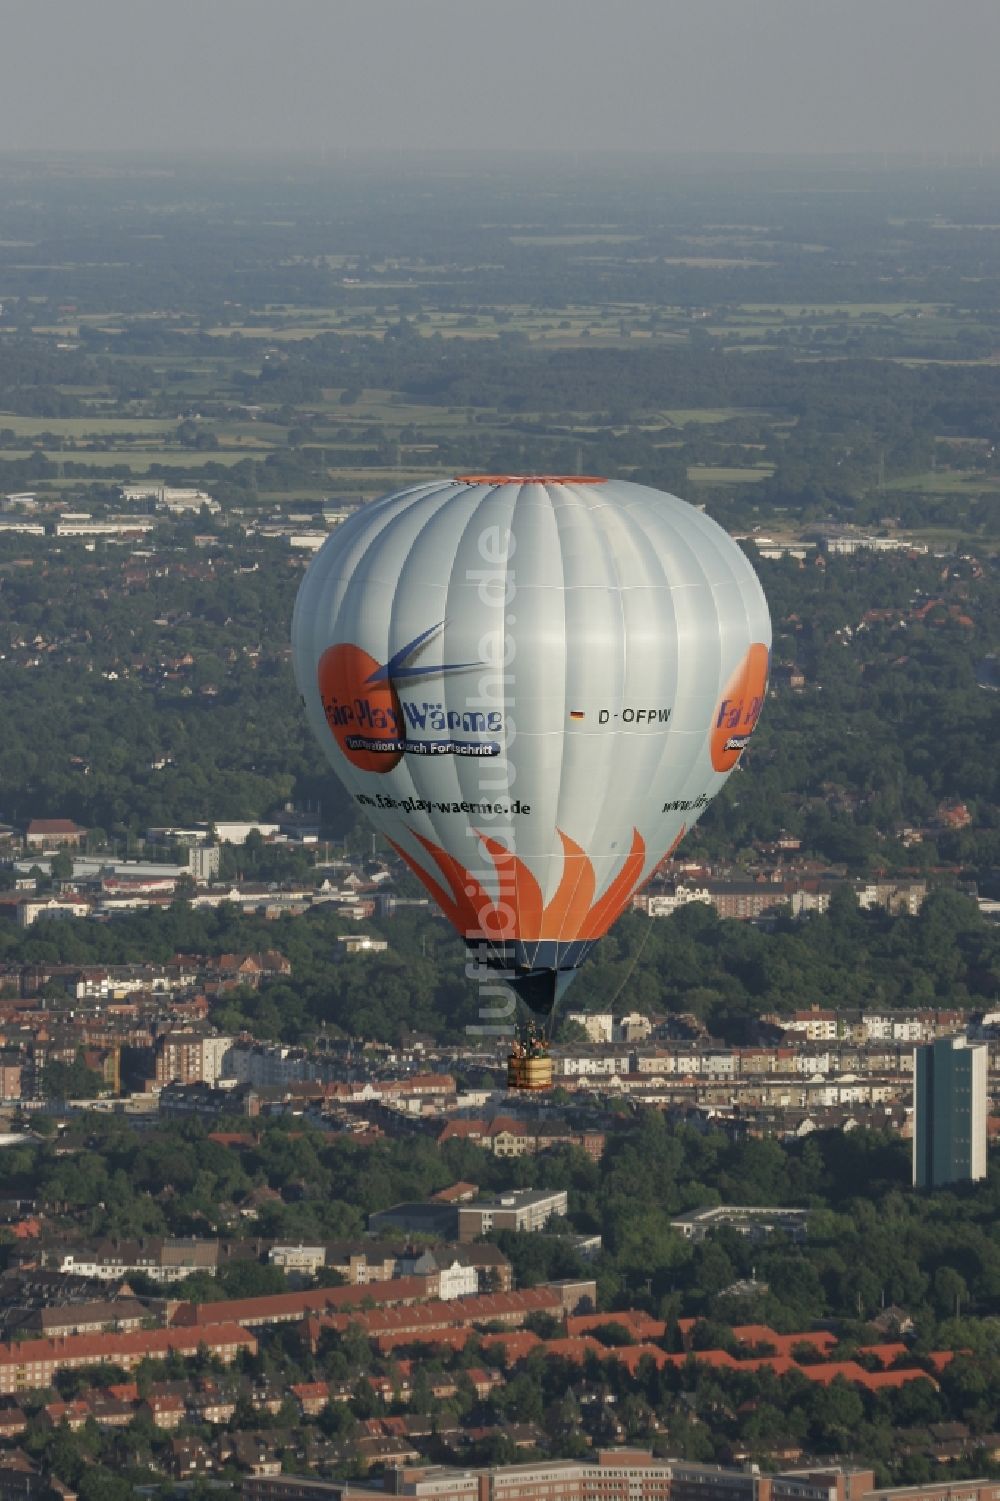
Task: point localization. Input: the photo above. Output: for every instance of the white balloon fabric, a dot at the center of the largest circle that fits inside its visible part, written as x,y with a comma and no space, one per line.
532,686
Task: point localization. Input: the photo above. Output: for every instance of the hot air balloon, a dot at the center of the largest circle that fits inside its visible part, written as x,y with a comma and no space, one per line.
532,686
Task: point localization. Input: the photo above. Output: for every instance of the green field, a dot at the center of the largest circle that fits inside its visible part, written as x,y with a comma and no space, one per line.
648,293
946,482
710,474
134,460
87,427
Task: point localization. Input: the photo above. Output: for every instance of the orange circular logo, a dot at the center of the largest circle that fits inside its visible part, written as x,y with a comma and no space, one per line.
361,708
739,708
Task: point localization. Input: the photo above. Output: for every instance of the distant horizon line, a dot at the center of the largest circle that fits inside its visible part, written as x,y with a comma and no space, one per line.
939,156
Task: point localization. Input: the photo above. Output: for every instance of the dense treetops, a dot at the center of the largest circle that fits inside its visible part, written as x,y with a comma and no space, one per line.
174,702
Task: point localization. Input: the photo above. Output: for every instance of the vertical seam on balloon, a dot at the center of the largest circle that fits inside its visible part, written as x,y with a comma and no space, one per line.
547,489
748,635
434,815
724,670
667,526
503,657
445,500
320,621
714,595
383,536
561,936
590,510
649,768
594,506
707,534
651,771
317,575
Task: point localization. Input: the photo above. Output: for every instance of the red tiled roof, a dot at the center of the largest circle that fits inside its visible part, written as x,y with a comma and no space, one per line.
419,1084
435,1339
779,1364
886,1353
79,1348
574,1349
638,1323
287,1307
450,1313
878,1380
515,1345
849,1370
455,1192
715,1358
631,1356
462,1131
59,1410
760,1334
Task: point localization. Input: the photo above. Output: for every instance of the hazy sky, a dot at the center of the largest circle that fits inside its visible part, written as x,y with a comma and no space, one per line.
662,75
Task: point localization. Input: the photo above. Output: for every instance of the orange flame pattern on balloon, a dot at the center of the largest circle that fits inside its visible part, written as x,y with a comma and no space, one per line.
345,683
739,708
518,911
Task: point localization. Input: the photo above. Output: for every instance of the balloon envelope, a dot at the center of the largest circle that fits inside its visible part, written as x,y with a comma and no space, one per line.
532,687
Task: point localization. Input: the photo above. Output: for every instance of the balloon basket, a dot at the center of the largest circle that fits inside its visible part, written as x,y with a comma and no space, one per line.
529,1073
529,1066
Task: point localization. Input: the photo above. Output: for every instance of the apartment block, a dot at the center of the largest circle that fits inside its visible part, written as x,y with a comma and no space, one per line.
522,1209
613,1475
950,1109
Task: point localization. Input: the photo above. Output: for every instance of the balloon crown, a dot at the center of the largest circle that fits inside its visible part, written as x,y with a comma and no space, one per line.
530,479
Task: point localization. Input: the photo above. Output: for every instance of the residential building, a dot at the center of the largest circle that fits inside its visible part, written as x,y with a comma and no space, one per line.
603,1027
53,833
900,898
22,524
115,528
950,1112
189,1057
455,1278
816,1024
750,1220
506,1136
524,1209
87,1318
612,1475
34,1363
298,1258
576,1064
162,1260
743,900
598,1025
362,943
666,903
204,862
10,1076
29,909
